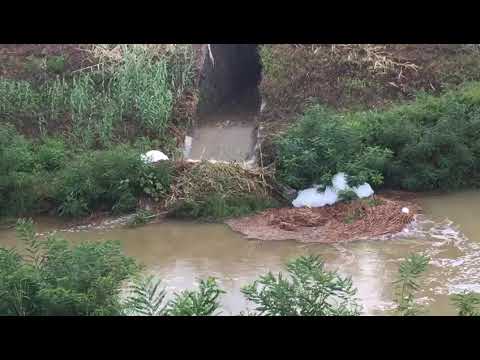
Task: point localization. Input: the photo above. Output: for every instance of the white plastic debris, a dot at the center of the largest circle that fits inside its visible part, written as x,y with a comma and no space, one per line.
311,197
153,156
405,210
363,191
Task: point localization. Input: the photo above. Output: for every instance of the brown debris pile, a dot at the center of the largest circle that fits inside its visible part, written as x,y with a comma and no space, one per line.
196,180
341,222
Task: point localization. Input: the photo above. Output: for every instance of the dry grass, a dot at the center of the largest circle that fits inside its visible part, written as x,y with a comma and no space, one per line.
197,180
110,55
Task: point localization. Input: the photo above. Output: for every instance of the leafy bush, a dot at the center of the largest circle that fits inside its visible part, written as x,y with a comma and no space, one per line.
155,180
323,144
147,298
467,303
310,291
56,64
18,177
203,302
56,279
110,180
347,195
408,284
430,143
434,140
51,154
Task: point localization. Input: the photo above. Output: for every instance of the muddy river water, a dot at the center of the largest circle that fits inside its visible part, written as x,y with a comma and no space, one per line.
182,252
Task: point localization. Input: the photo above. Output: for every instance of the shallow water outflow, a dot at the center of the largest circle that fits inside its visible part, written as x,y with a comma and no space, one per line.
180,253
224,138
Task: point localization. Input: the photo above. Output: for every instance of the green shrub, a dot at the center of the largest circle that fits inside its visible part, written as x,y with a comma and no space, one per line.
147,298
155,180
311,290
347,195
109,180
434,140
51,154
18,176
203,302
430,143
467,303
56,64
56,279
216,207
408,284
15,151
323,144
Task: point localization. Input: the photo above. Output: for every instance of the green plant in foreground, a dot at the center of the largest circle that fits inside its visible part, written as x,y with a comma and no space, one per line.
467,303
147,298
54,278
408,284
203,302
311,290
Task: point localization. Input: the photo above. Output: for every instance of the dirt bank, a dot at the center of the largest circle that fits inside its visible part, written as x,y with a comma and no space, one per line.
342,222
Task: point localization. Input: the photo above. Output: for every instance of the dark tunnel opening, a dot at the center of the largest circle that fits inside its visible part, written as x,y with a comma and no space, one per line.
230,79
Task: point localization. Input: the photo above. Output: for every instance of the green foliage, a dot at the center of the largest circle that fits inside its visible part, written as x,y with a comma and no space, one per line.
408,284
155,180
311,291
323,144
272,66
347,195
56,279
18,98
109,104
111,180
434,140
467,303
18,177
203,302
147,298
430,143
216,207
56,64
51,154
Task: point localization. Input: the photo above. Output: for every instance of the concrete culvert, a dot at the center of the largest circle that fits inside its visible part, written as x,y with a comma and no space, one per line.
230,76
225,128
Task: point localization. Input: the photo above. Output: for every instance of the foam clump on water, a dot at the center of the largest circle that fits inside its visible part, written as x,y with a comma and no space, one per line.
311,197
153,156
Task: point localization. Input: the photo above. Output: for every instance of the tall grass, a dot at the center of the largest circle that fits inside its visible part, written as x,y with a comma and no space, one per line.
135,95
